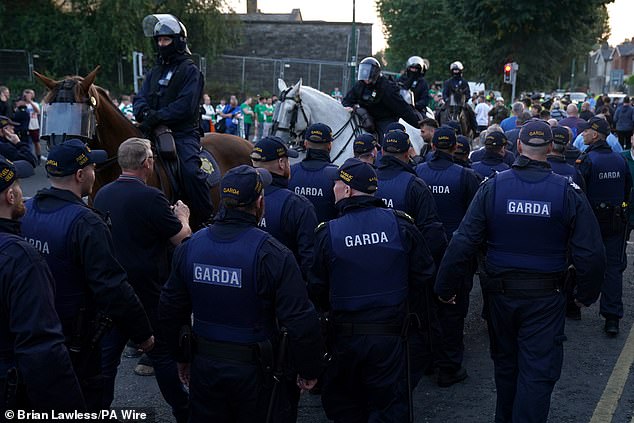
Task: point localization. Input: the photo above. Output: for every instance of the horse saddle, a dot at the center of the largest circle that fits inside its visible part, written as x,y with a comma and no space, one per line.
165,144
365,119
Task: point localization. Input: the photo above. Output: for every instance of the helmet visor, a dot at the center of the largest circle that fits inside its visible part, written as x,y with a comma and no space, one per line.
74,119
161,24
367,72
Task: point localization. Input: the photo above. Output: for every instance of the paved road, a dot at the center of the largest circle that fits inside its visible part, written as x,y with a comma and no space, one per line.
595,385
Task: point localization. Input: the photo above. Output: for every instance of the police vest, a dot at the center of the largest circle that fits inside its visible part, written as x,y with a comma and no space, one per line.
48,232
607,179
275,199
369,264
393,191
7,340
317,187
446,187
222,282
487,169
564,169
527,229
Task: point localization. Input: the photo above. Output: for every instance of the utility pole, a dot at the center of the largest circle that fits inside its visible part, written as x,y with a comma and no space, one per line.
353,48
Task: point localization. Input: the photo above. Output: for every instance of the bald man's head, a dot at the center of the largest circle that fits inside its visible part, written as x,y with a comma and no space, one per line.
572,110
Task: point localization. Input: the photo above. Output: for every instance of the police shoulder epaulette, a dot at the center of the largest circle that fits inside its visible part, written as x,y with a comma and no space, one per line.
574,185
321,226
403,215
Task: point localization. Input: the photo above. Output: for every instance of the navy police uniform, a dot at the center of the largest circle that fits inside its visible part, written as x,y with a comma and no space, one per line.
289,217
308,177
242,285
384,103
559,162
365,380
453,188
416,82
554,221
479,155
35,369
91,286
608,184
170,96
491,162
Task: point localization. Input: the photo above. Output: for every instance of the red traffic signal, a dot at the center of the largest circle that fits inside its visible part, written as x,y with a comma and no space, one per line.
507,73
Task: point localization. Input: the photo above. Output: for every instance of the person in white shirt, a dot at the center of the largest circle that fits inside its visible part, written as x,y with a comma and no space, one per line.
482,114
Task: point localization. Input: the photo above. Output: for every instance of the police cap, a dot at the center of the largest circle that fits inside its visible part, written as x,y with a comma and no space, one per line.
10,171
243,184
70,156
463,146
444,137
394,126
536,133
356,174
396,142
561,135
319,133
4,121
364,143
495,138
596,123
271,148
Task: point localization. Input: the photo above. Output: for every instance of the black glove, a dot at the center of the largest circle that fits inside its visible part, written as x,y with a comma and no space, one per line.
140,115
150,120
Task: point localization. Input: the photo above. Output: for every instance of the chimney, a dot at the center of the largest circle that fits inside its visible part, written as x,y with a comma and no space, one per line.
252,7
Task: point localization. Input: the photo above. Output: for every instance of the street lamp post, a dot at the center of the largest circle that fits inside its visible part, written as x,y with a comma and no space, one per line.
353,46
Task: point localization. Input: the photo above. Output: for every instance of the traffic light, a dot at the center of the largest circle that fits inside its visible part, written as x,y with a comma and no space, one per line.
508,68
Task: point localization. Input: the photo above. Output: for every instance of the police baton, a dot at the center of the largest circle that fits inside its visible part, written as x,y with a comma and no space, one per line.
278,374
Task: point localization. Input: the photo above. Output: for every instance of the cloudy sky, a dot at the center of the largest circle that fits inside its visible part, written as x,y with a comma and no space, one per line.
341,11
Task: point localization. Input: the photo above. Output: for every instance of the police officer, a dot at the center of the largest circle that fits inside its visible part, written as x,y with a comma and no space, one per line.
554,221
92,289
461,155
289,217
493,159
557,158
35,369
453,188
455,90
401,189
170,96
240,283
365,380
144,230
307,176
608,183
11,147
380,97
414,80
364,148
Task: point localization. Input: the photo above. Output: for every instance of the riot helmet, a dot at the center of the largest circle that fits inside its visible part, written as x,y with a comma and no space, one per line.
165,25
456,68
369,70
419,63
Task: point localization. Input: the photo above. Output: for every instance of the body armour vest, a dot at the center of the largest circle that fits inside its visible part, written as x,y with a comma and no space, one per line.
369,264
564,169
487,169
275,199
393,190
7,357
446,187
315,185
221,277
49,233
607,180
527,229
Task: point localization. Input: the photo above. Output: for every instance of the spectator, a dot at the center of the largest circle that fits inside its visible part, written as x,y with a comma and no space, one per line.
11,147
209,115
337,94
556,112
247,114
268,116
499,112
5,102
231,114
219,109
260,118
126,107
482,114
586,112
33,108
509,123
573,120
624,120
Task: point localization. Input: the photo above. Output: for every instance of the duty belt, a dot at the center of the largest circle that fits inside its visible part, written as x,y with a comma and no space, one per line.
384,329
227,351
535,284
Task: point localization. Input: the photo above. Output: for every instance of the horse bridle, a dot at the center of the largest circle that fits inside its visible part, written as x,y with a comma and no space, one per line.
300,107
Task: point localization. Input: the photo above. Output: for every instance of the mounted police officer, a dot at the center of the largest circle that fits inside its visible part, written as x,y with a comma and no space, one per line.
364,148
608,183
308,178
455,90
289,217
380,97
453,188
494,152
145,229
242,286
414,80
92,289
365,380
170,96
35,369
554,222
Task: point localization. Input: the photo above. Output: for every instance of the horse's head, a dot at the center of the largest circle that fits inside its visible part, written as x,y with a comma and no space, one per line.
291,116
69,108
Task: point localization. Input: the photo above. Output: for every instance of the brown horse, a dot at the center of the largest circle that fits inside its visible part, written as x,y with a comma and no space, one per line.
113,128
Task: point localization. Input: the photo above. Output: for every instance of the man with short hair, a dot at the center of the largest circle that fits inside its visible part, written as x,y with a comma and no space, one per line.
36,372
91,285
11,147
242,286
144,230
364,148
308,178
427,128
247,116
494,152
532,221
482,114
557,158
365,380
573,120
624,120
608,183
509,123
5,102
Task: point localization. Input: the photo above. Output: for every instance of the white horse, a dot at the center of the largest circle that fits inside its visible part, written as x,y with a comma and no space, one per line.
300,106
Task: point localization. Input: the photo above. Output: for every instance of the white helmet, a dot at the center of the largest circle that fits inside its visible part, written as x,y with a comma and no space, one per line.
417,61
456,66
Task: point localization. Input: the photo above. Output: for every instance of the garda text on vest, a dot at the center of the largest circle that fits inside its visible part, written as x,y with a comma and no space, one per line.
41,246
217,275
528,208
365,239
309,191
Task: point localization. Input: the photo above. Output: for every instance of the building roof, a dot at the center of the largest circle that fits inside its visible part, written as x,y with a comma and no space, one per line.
604,53
625,49
294,16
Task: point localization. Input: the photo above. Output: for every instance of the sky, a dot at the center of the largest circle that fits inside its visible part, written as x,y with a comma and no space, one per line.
620,12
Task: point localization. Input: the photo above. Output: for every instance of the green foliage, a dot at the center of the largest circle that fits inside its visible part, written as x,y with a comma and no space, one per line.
74,36
629,81
542,36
